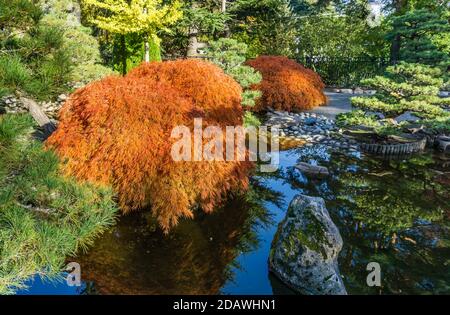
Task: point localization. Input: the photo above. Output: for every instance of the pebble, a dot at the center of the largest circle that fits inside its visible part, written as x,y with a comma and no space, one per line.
312,128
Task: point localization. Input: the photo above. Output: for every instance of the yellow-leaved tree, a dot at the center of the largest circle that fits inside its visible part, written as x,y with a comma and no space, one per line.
143,17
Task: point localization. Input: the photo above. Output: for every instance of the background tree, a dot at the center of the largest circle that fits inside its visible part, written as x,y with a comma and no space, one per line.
79,41
399,7
415,31
337,41
229,54
203,21
268,27
143,17
308,7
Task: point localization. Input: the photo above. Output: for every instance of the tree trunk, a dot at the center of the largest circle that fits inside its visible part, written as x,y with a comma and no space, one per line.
147,50
192,50
194,45
227,28
146,45
39,116
124,54
395,50
399,5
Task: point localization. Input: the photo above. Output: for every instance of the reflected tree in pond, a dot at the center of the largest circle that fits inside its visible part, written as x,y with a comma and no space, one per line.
195,258
391,212
385,198
387,212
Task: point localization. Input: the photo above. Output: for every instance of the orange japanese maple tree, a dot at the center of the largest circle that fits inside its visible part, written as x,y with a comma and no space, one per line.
117,131
287,85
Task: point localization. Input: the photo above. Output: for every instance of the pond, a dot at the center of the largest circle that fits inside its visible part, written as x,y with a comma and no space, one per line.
394,212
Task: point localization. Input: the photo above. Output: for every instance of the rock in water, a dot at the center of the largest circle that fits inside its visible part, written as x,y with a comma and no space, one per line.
305,249
312,170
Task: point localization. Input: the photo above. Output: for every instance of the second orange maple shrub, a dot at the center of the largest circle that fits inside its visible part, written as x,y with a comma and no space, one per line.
117,131
287,85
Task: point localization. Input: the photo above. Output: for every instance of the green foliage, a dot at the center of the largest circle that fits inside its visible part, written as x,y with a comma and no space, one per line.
406,87
112,51
338,42
155,49
142,18
251,120
307,7
361,118
13,73
420,32
48,50
357,118
81,45
335,33
34,59
202,18
440,124
17,14
268,27
44,217
229,54
132,16
53,75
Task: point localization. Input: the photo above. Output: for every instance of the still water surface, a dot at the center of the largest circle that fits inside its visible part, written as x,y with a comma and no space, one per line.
392,212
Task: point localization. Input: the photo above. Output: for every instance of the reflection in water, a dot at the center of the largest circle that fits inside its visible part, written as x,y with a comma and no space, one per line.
393,212
195,258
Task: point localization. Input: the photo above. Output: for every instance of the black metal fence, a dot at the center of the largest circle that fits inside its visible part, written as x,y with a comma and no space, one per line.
343,71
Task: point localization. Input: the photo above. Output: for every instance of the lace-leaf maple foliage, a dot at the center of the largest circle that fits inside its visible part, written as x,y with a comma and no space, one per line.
118,131
213,94
287,85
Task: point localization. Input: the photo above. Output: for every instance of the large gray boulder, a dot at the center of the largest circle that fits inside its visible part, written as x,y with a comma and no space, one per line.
305,249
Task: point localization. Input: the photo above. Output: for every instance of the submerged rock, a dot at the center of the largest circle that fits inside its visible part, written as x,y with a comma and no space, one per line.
312,170
305,249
